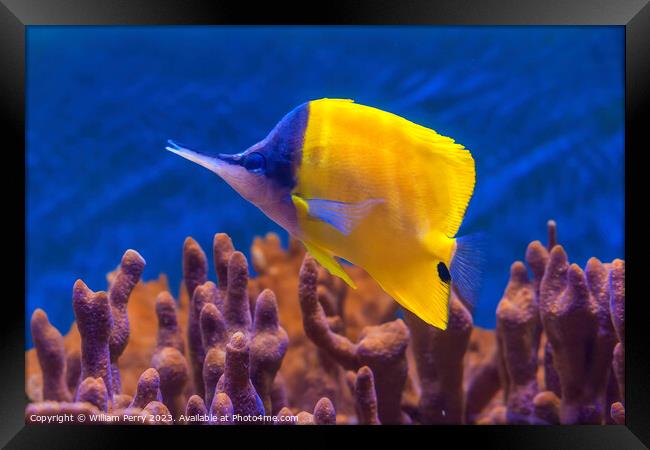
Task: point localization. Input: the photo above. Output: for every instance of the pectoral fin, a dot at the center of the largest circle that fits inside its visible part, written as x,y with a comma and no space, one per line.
326,260
343,216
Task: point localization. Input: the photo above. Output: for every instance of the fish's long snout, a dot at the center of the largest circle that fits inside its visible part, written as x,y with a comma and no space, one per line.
206,161
229,168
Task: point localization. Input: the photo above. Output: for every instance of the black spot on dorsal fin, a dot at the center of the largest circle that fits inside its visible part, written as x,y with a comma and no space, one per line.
443,272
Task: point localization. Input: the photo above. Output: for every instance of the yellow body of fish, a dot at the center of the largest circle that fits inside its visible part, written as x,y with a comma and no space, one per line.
418,182
370,187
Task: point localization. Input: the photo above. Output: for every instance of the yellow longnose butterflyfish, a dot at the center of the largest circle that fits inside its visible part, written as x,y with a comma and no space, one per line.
358,183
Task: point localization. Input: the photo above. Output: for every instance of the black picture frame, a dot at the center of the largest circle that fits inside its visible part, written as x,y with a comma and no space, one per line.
16,15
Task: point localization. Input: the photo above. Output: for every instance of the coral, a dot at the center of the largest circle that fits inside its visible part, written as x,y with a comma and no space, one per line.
278,394
121,401
235,381
268,346
156,413
72,368
617,311
382,347
284,417
195,408
222,249
617,412
482,386
222,409
174,374
518,334
324,413
575,314
547,407
122,283
366,397
169,334
203,295
195,265
134,360
51,357
213,333
537,257
195,271
296,345
551,378
237,312
439,360
94,320
93,390
148,389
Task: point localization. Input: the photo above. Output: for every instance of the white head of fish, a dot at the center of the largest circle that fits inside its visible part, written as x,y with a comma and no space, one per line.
253,186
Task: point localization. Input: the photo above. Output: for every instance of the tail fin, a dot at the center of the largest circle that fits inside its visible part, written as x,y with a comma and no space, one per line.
466,266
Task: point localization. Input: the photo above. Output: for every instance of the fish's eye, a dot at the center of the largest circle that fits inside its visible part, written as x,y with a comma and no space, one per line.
255,162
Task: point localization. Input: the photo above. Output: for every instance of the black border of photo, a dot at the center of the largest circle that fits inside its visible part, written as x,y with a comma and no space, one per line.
16,15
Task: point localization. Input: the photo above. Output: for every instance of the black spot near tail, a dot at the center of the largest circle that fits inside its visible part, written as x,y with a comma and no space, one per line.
443,272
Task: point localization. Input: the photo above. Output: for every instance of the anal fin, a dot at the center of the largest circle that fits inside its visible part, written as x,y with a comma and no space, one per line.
422,287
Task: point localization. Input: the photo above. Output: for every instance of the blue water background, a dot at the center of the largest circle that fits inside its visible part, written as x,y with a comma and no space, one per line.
540,108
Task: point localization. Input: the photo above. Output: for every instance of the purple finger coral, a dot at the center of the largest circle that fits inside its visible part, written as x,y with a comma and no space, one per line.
51,357
518,335
95,322
214,338
174,374
222,410
195,265
203,295
169,334
439,361
222,250
268,346
148,389
123,282
366,397
617,311
194,410
324,412
382,348
572,311
235,382
295,344
237,310
93,390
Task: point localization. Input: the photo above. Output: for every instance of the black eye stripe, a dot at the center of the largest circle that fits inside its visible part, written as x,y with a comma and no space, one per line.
255,162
